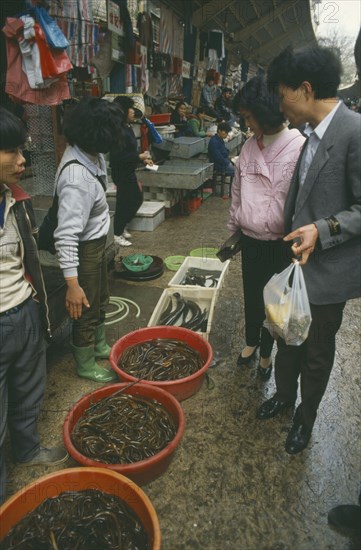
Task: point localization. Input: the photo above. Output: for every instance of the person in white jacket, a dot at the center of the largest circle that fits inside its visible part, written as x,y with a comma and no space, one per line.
262,178
91,128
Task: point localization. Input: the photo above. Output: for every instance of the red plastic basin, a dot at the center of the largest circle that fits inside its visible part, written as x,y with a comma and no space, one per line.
163,118
181,389
79,479
142,471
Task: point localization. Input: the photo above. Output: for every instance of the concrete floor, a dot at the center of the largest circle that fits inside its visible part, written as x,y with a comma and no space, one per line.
231,484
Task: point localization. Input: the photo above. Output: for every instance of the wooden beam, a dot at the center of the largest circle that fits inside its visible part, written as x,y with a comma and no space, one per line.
209,11
251,28
255,53
255,8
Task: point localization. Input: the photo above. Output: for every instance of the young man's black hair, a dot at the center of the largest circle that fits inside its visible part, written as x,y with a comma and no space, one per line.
223,127
12,130
319,66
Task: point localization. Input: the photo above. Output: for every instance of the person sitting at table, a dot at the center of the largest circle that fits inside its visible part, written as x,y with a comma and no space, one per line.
209,95
196,124
179,119
223,106
217,151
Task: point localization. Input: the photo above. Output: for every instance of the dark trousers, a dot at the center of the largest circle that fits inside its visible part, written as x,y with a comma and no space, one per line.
313,361
128,201
260,261
22,383
93,278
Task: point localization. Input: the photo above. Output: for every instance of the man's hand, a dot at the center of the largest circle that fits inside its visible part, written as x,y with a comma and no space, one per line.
75,298
306,241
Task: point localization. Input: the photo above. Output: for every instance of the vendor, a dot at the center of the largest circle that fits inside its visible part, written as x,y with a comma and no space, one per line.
179,119
196,124
217,151
209,95
223,106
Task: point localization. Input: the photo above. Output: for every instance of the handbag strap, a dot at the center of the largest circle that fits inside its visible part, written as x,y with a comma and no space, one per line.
53,210
74,161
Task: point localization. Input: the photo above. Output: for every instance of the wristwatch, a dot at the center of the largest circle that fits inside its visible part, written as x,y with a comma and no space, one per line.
333,225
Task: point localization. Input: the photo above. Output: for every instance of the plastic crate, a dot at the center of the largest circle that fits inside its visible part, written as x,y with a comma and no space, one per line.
201,263
204,297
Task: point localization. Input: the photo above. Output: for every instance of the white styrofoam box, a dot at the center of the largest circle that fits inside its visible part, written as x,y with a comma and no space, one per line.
212,264
204,297
149,216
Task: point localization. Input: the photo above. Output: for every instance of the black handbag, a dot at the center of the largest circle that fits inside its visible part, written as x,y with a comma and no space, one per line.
47,228
231,246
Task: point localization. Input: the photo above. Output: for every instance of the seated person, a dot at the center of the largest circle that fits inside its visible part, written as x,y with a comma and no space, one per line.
179,119
196,122
209,95
223,106
217,151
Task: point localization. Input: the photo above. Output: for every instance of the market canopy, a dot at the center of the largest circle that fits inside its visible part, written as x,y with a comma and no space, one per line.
254,30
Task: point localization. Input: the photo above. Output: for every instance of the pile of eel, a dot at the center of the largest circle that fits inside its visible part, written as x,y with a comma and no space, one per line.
87,519
122,429
184,313
160,360
201,277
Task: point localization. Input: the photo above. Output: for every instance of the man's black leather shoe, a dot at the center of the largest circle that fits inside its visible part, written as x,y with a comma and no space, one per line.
297,439
271,408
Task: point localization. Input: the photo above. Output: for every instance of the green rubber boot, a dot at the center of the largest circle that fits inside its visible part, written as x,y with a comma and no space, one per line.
86,366
102,350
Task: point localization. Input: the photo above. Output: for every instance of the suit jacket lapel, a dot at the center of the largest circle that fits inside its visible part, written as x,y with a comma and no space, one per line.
318,162
320,159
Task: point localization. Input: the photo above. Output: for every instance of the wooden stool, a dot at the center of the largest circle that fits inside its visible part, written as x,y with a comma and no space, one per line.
220,178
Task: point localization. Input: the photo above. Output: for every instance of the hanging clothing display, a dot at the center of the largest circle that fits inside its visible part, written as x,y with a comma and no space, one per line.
144,83
18,84
145,29
75,18
102,60
216,42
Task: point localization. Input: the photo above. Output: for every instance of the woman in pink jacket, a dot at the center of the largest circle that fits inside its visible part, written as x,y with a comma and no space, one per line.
262,178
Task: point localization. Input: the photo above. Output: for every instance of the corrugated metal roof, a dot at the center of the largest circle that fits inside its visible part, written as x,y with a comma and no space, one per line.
254,30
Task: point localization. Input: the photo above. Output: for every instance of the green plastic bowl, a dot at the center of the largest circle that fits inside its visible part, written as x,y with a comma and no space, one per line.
174,262
204,252
137,262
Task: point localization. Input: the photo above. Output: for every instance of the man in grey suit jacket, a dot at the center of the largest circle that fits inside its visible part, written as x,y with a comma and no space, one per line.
323,219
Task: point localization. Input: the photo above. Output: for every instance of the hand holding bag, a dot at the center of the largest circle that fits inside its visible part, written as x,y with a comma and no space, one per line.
288,312
230,247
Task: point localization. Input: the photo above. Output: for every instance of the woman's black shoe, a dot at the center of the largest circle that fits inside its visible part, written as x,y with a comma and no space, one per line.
245,360
264,373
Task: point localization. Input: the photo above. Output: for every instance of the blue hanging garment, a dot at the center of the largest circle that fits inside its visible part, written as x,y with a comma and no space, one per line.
53,34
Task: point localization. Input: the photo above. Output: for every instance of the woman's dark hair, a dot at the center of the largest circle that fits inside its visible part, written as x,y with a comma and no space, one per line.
94,125
256,97
319,66
126,103
178,105
12,130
